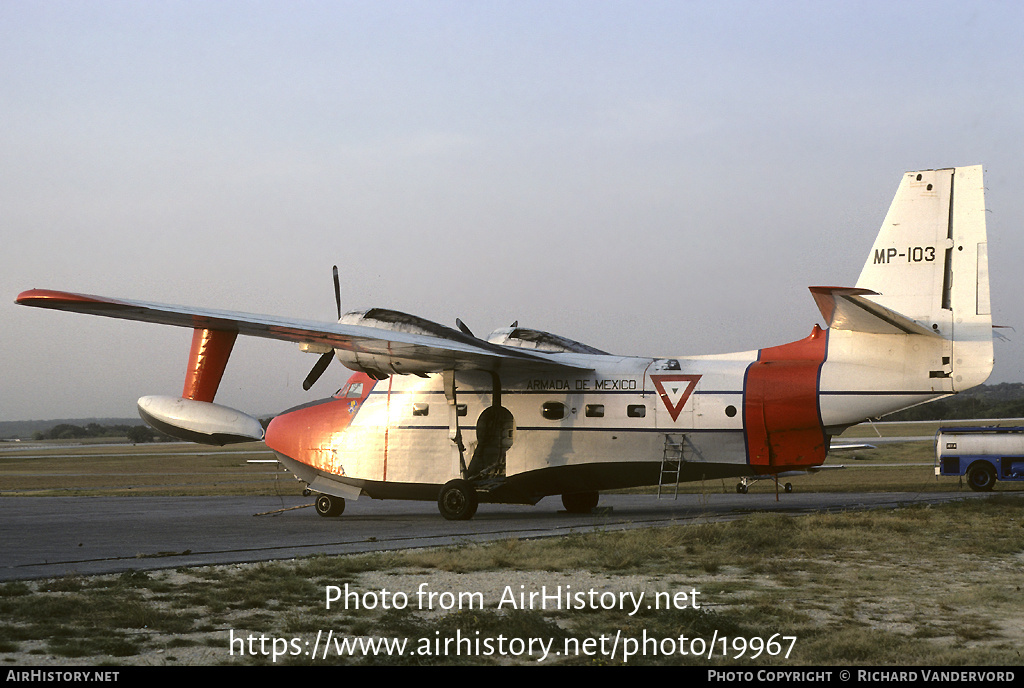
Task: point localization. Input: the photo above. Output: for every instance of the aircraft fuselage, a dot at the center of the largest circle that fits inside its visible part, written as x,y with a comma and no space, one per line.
523,435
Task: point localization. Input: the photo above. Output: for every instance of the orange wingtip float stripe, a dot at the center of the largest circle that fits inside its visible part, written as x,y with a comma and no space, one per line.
54,299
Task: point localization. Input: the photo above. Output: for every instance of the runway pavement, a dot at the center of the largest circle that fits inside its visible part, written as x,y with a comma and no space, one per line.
43,537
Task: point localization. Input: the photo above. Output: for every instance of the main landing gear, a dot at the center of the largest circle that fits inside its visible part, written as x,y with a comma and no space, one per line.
457,500
580,502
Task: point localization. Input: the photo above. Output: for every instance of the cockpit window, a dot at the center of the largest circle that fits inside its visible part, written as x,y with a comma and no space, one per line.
355,390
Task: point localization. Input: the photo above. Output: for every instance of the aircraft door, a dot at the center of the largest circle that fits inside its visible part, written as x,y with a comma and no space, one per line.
495,433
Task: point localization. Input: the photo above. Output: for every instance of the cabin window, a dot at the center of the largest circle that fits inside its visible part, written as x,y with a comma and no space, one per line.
553,410
420,409
595,411
461,410
636,410
355,390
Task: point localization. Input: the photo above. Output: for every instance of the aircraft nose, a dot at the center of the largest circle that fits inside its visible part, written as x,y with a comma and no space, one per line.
283,435
307,433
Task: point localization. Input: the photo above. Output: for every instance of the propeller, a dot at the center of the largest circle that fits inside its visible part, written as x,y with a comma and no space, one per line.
325,359
318,370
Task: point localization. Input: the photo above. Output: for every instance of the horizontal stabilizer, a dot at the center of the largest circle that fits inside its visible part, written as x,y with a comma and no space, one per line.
845,308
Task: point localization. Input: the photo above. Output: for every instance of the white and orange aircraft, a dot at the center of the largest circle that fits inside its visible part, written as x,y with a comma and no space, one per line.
435,413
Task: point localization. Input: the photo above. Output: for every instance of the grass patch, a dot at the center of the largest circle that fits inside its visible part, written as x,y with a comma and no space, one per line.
171,469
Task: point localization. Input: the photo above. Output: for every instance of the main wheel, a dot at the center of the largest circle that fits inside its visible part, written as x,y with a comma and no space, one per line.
457,500
580,502
788,487
329,505
981,477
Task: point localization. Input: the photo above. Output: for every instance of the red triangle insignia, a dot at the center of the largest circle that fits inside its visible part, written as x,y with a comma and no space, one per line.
673,392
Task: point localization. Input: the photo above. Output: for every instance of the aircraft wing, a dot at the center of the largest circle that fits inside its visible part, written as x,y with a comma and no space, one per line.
413,352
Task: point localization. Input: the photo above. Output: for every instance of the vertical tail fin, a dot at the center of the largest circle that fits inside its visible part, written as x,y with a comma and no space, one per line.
930,264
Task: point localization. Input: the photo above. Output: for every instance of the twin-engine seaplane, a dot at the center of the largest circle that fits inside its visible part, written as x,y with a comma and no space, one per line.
436,413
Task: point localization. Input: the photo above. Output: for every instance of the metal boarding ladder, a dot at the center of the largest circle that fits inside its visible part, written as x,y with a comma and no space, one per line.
672,460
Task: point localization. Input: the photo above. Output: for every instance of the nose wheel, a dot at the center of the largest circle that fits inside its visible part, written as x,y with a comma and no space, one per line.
329,506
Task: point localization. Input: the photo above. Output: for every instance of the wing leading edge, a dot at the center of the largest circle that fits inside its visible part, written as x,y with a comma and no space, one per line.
409,352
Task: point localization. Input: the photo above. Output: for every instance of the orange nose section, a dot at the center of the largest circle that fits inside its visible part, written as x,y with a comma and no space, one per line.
307,433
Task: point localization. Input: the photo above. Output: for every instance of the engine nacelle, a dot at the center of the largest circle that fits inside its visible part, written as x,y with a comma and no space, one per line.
524,338
199,421
380,366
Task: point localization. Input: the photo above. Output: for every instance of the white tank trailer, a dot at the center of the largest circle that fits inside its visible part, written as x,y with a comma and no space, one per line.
983,454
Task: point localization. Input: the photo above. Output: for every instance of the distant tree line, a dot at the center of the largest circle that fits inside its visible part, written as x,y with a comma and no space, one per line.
136,434
1005,400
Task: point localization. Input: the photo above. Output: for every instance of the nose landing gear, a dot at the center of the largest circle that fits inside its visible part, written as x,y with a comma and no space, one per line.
329,506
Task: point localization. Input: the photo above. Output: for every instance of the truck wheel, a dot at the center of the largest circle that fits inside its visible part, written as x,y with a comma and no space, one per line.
457,500
981,477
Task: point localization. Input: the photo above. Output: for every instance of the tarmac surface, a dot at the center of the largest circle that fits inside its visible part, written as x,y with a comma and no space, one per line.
42,537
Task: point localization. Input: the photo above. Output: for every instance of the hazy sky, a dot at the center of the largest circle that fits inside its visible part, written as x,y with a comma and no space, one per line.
660,178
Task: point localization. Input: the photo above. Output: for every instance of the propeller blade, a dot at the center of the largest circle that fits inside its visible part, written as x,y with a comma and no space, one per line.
324,361
337,291
318,370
